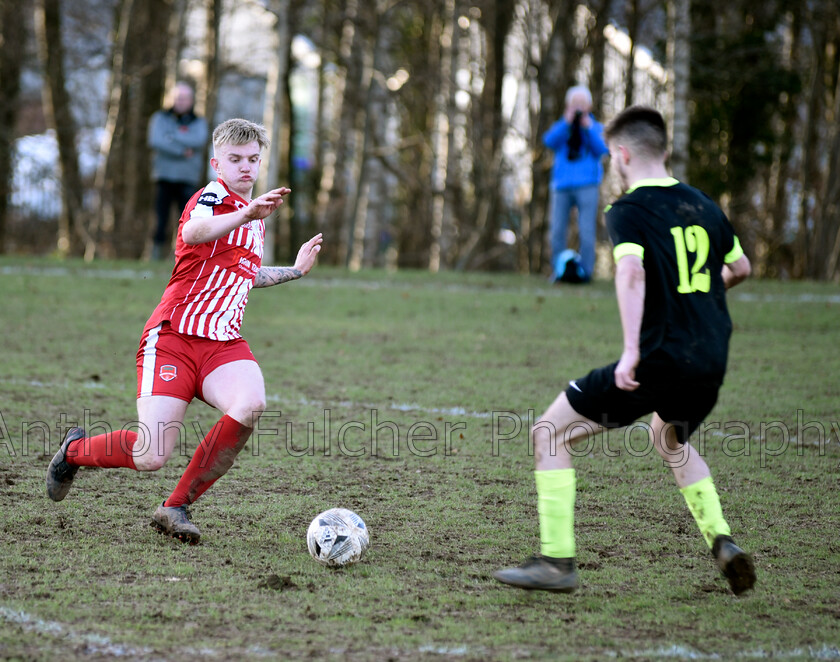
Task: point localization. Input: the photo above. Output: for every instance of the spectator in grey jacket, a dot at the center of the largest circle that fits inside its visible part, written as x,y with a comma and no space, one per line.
178,137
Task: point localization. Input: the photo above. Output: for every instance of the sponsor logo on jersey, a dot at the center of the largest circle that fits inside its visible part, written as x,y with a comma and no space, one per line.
209,198
248,266
168,372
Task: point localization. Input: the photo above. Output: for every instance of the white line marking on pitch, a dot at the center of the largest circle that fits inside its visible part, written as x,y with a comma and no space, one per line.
99,644
131,274
306,402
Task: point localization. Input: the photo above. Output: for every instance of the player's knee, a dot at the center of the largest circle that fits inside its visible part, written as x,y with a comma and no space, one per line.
258,406
248,411
149,462
254,408
666,443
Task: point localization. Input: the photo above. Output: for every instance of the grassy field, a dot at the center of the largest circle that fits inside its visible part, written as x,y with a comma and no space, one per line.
453,365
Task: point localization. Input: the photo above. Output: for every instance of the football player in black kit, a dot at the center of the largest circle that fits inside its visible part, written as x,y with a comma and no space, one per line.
676,254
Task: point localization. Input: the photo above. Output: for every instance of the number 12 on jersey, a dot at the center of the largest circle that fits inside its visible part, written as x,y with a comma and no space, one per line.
693,239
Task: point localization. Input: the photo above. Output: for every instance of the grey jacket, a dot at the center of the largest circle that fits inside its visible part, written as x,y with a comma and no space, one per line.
170,137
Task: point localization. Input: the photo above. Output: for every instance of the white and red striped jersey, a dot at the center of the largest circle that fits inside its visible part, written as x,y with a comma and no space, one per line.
209,286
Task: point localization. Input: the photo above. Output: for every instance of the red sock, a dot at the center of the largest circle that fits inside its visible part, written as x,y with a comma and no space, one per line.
211,460
110,450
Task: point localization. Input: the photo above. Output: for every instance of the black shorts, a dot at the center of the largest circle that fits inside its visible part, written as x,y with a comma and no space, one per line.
680,402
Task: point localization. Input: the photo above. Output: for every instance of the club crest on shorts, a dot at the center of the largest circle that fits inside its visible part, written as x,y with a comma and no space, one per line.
168,372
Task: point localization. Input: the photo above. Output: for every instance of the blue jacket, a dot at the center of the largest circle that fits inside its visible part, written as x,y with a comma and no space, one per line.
587,170
170,136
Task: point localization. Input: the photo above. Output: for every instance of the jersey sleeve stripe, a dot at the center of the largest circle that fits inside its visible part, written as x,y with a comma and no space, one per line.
735,254
627,248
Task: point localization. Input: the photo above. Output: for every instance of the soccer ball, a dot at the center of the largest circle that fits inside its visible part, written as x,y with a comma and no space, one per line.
337,537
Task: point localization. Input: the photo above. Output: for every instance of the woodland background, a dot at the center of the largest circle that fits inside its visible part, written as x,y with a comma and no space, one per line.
409,130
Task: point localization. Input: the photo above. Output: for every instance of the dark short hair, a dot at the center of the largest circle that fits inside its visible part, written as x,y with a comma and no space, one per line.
641,126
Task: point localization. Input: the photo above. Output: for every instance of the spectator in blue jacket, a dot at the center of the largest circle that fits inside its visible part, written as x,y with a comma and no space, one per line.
578,145
178,137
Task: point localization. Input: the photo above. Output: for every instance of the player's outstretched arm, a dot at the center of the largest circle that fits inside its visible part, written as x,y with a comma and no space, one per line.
268,276
202,229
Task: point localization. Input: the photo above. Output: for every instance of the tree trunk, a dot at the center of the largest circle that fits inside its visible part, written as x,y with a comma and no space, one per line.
137,85
827,216
275,119
71,226
12,41
632,7
489,130
595,45
442,126
177,40
778,260
339,155
354,214
211,67
679,84
803,257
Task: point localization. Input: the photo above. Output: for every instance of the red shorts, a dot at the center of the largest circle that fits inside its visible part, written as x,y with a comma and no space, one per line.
173,364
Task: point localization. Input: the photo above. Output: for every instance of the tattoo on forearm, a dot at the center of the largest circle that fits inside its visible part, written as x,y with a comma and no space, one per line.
268,276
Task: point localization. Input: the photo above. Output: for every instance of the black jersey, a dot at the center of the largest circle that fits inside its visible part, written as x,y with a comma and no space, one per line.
684,239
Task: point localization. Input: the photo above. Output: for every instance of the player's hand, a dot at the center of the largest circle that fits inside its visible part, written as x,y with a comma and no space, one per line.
265,204
308,253
625,371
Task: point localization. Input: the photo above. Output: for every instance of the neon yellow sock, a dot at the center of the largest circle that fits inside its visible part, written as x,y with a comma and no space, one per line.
704,503
556,508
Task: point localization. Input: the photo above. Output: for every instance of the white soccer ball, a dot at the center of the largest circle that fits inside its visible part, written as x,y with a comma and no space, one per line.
337,537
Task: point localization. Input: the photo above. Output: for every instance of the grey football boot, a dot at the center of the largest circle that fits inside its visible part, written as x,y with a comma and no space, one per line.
175,521
60,474
735,564
541,573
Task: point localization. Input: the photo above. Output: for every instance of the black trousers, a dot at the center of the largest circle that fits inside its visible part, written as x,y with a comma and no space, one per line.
167,194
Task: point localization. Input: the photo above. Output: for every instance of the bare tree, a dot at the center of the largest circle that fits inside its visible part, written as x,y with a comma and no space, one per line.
211,64
368,210
341,135
595,45
275,118
830,211
12,39
442,129
488,129
138,76
679,83
806,244
72,231
826,221
633,20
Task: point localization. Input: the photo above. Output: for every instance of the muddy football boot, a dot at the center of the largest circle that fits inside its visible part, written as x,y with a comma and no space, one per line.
60,475
735,564
542,573
175,522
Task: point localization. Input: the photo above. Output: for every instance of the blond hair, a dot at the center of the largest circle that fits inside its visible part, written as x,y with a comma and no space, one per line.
237,131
